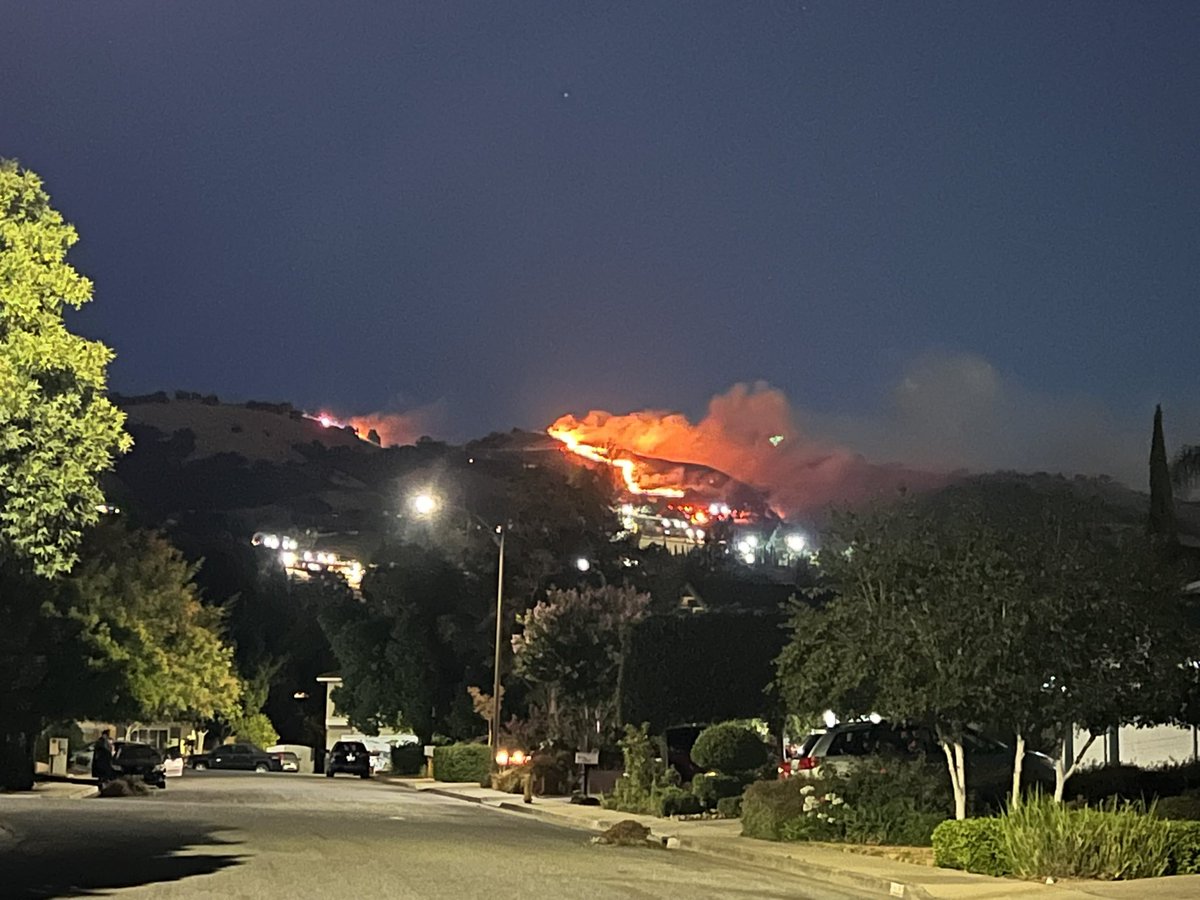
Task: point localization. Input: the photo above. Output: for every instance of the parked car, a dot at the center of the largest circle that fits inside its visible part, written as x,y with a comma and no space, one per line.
130,758
351,757
989,762
288,761
246,757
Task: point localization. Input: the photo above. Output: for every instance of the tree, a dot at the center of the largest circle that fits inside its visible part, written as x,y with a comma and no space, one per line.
991,602
408,651
135,597
1185,468
1162,508
58,430
125,636
571,647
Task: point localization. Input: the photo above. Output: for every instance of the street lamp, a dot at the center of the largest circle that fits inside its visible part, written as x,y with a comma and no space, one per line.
425,504
583,564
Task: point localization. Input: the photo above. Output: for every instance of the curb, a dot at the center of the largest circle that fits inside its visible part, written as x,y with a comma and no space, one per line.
710,847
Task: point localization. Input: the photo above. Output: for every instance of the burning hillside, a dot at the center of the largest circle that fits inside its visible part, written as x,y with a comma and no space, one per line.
748,437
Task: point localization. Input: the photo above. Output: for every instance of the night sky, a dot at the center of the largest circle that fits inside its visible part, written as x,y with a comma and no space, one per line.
496,213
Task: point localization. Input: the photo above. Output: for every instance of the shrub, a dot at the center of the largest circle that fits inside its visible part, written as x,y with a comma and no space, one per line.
1044,839
768,805
879,802
730,749
1185,806
711,789
729,807
645,776
408,759
1185,847
510,780
675,801
553,772
1100,783
462,762
973,845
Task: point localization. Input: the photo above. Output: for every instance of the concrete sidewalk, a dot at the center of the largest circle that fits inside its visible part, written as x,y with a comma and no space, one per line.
57,789
722,838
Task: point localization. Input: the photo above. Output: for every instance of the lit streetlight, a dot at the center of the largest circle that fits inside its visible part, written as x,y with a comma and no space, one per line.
425,504
583,564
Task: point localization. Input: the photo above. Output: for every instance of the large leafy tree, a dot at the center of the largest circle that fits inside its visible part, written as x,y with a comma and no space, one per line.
124,637
408,651
997,605
571,648
58,430
135,597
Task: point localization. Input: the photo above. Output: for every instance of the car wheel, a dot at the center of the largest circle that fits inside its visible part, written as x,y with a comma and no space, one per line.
262,767
200,766
329,773
365,775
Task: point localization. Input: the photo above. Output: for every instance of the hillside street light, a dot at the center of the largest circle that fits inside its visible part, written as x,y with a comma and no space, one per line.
425,505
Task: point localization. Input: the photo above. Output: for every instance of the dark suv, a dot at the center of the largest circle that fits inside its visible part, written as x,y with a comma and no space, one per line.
237,756
139,759
351,757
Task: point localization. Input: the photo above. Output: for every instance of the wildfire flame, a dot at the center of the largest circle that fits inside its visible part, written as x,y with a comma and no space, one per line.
627,467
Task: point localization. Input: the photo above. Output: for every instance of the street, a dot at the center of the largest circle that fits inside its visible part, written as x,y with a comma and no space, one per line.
217,834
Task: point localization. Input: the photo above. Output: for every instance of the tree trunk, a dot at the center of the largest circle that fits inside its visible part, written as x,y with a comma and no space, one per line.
1064,769
16,755
1018,765
956,762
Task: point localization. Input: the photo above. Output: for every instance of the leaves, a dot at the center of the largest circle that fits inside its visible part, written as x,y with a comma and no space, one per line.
58,431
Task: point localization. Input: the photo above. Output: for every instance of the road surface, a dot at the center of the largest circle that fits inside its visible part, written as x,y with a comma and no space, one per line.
226,835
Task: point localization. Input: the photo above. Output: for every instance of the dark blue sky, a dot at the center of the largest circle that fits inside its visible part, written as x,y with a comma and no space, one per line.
522,209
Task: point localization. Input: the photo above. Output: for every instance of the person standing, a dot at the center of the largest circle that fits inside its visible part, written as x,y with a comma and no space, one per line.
102,758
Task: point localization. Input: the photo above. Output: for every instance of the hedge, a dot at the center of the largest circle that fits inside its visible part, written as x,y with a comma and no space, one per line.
978,845
408,759
711,789
709,668
768,805
462,762
973,845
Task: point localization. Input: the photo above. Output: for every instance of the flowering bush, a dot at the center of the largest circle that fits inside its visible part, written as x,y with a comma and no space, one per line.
881,802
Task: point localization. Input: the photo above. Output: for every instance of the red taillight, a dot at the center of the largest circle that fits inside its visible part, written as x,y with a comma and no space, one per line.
807,763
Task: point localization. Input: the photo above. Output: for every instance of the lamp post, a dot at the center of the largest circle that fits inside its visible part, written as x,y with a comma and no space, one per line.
425,505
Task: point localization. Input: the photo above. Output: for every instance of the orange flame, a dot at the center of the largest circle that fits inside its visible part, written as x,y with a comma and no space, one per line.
627,467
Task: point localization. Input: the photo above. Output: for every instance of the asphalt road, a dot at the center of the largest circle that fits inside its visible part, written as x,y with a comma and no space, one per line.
216,834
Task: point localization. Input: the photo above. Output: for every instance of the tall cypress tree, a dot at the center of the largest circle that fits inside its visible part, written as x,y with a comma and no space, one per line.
1162,506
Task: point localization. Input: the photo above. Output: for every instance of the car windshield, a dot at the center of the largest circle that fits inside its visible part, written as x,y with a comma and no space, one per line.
351,748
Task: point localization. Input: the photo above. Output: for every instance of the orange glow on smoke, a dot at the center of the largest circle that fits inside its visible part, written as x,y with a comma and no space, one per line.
627,467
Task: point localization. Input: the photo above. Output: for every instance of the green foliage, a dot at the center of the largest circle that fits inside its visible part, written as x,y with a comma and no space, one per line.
570,647
709,668
402,650
711,789
645,777
1162,507
767,806
256,728
58,430
134,595
1183,807
989,600
1043,839
973,845
408,759
1185,847
462,763
881,802
729,748
675,801
730,807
